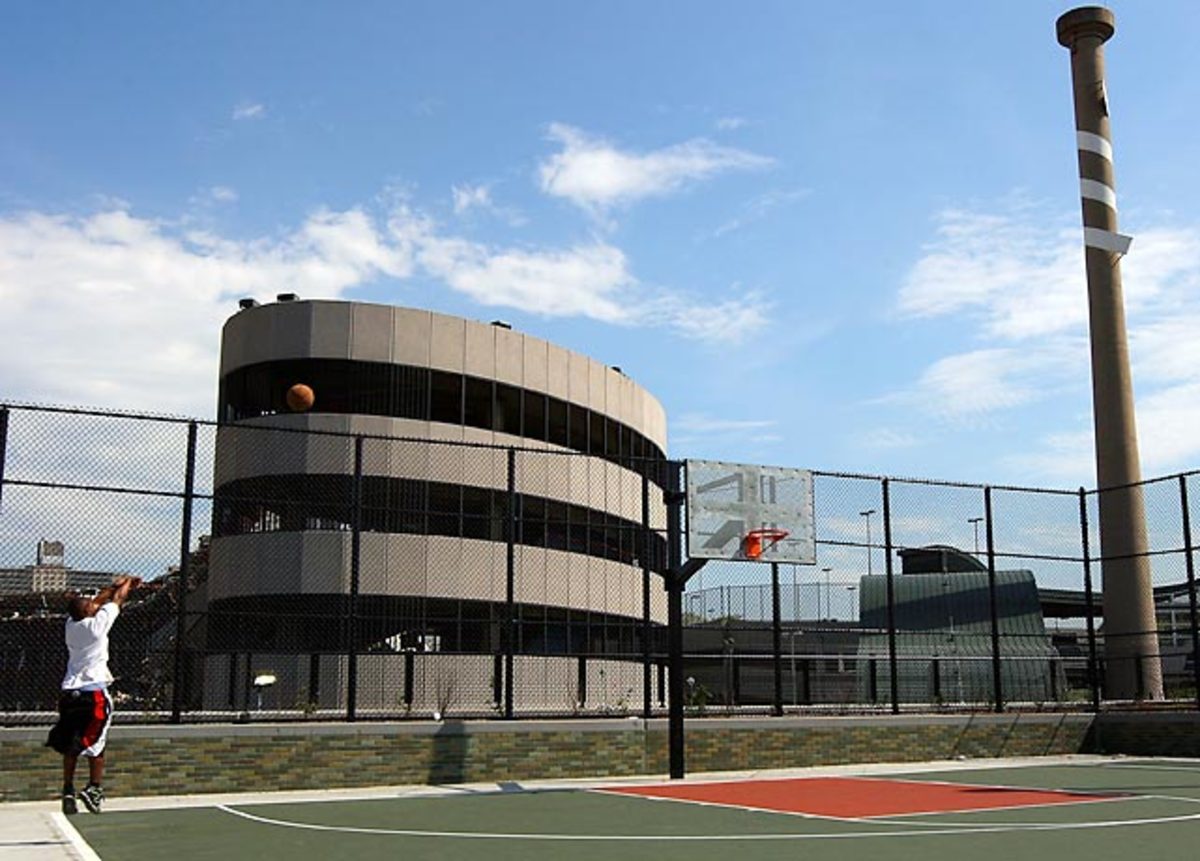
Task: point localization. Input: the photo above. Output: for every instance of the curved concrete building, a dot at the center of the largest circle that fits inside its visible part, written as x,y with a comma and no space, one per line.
439,402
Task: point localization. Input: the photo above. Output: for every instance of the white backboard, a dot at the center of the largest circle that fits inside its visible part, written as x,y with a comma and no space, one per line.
727,500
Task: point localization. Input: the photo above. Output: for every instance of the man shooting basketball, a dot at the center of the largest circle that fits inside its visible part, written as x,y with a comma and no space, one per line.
85,708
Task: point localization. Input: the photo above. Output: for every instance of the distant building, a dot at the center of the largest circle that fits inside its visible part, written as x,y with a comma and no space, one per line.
943,619
50,574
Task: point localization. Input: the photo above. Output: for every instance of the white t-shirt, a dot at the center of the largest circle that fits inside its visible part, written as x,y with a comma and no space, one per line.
87,649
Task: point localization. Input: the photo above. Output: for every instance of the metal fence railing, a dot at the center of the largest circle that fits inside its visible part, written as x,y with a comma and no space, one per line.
292,573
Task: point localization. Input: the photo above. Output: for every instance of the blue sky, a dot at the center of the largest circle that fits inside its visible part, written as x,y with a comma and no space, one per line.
837,236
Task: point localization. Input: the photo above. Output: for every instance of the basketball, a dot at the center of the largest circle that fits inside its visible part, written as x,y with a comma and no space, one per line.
300,398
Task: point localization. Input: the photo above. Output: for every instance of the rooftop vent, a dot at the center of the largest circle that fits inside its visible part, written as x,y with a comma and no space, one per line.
501,324
286,297
247,303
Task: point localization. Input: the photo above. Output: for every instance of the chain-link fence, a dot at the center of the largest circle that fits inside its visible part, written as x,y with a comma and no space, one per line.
293,573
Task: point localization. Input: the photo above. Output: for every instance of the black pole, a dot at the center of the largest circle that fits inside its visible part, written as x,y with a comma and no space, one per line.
355,564
776,638
510,607
893,667
1191,579
1089,597
185,555
674,585
3,446
993,608
644,556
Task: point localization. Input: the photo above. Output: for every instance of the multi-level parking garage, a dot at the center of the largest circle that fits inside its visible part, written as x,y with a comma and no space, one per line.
473,441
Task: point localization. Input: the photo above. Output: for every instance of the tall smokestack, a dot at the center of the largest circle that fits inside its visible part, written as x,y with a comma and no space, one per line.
1131,641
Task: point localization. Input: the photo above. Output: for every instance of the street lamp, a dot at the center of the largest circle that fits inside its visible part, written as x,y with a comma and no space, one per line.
975,521
853,609
262,681
866,515
828,612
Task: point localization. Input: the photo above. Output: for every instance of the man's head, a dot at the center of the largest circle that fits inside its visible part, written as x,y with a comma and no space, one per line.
82,608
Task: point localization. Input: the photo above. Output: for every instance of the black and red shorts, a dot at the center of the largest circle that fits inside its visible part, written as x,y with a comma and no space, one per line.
83,719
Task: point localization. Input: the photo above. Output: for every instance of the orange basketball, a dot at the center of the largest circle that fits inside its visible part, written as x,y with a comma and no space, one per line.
300,398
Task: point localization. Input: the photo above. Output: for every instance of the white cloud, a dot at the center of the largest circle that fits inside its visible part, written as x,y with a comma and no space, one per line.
126,311
1016,277
223,194
586,280
596,176
249,111
728,124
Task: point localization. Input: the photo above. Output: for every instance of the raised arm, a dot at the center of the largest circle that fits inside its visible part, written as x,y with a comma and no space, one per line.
118,592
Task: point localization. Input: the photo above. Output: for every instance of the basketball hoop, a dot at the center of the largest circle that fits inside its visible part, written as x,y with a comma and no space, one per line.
760,540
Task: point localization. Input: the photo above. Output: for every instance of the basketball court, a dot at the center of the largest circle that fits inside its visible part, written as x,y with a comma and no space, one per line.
1082,806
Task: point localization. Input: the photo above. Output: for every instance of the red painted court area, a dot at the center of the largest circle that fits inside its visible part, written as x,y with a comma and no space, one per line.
856,797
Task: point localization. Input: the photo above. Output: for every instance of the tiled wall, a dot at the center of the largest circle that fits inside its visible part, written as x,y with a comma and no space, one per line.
173,759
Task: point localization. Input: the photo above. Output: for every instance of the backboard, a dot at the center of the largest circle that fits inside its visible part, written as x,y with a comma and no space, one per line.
725,501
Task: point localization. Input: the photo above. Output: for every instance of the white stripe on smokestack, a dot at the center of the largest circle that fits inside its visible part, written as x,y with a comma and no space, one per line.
1089,142
1106,240
1093,190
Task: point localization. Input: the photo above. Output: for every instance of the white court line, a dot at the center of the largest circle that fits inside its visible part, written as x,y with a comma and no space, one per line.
67,830
680,838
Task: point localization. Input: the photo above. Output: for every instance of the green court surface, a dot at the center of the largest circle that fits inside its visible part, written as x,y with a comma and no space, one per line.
1127,809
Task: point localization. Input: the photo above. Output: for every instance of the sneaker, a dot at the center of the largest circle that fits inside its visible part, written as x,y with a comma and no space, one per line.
68,804
93,797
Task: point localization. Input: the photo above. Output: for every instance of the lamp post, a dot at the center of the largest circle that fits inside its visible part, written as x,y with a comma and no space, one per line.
828,612
853,609
975,521
866,515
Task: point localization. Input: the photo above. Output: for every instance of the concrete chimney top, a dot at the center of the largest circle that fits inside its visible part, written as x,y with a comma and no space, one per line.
1085,21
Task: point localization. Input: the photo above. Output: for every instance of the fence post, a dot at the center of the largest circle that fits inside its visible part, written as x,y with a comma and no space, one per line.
3,447
644,556
510,540
355,565
993,609
185,554
1191,579
893,667
1089,597
776,639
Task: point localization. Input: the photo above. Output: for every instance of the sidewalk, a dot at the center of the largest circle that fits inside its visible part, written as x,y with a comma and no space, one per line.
28,832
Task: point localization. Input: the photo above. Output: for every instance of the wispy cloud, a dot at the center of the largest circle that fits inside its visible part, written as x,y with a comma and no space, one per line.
595,175
249,111
883,439
1015,276
468,198
471,197
728,124
702,423
758,208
